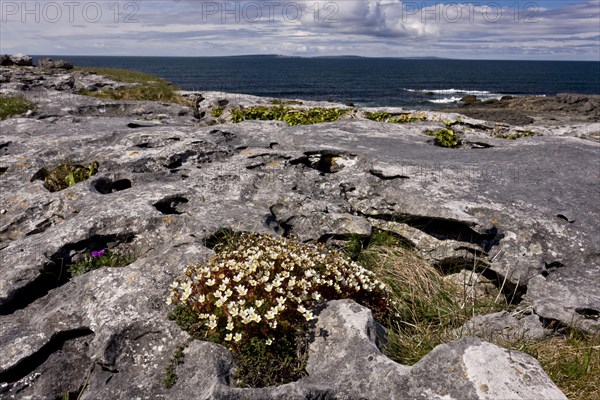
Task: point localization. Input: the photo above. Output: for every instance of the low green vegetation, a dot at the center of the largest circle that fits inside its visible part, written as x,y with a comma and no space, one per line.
258,296
148,87
293,116
10,106
445,138
395,118
99,259
216,112
170,374
515,135
66,175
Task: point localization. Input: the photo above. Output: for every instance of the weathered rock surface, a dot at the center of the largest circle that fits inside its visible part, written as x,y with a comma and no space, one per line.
21,60
54,64
526,212
562,109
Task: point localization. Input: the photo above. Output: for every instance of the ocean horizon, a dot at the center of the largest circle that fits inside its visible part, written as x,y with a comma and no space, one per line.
420,83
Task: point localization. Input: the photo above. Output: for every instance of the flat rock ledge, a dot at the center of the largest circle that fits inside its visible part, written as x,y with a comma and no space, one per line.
523,213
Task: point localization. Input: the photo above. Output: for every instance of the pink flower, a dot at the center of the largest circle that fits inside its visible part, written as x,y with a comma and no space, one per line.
98,253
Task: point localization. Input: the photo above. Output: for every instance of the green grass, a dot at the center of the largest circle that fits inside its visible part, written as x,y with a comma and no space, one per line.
290,115
10,106
149,87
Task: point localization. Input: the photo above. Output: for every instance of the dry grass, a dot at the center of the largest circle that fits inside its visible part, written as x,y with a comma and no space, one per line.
571,361
430,309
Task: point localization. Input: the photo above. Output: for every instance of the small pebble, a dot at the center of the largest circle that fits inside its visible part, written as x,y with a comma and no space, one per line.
3,211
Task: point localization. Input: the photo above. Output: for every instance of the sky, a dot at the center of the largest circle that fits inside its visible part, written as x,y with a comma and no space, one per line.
498,29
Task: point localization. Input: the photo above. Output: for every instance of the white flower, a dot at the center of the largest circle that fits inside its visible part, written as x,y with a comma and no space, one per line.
229,337
229,326
210,282
241,289
238,337
268,342
271,314
186,294
259,303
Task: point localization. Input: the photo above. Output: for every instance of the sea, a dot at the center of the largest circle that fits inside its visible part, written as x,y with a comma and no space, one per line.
370,82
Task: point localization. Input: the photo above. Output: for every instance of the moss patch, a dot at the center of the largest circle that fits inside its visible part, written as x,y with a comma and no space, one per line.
171,377
10,106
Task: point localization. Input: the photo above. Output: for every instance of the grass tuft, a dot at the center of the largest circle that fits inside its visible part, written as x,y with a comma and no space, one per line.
427,307
10,106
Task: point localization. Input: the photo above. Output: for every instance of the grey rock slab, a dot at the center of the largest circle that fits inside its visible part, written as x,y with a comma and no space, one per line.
166,182
346,355
505,327
569,295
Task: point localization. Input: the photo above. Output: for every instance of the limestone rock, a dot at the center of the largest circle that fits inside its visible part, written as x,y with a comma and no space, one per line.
21,60
521,210
54,64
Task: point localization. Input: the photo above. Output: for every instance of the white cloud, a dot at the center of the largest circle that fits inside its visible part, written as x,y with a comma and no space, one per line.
370,28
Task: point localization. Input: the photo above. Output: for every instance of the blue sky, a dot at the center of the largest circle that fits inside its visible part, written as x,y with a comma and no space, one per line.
497,29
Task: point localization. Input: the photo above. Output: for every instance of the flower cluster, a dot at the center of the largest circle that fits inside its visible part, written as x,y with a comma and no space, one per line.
99,253
258,283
